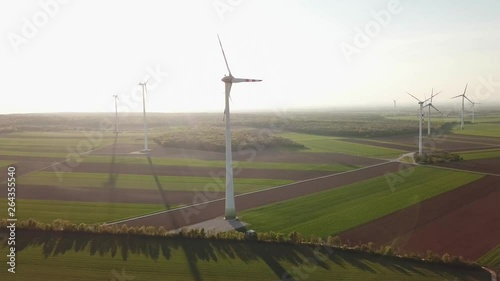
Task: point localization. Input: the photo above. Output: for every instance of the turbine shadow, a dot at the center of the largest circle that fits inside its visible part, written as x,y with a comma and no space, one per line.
282,259
158,183
113,173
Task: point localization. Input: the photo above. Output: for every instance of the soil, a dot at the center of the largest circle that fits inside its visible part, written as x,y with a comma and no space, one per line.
209,210
461,222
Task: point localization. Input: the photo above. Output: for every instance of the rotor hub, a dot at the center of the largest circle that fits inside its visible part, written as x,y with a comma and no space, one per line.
227,79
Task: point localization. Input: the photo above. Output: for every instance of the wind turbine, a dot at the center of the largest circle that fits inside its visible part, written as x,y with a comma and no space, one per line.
144,92
463,110
473,113
395,106
429,105
116,112
230,210
420,122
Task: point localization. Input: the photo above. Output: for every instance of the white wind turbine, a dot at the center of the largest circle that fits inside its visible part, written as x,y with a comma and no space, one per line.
463,109
230,210
421,103
473,113
116,112
395,106
144,92
429,105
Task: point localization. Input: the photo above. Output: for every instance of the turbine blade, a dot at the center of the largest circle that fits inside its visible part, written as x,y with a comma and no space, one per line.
435,108
433,95
413,96
227,93
238,80
456,96
427,99
224,54
468,99
465,88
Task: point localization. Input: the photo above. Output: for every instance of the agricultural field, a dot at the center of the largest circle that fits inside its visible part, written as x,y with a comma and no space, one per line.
47,211
480,129
492,258
334,211
344,174
322,144
104,257
480,154
142,182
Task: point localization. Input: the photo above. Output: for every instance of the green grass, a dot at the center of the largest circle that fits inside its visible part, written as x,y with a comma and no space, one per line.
321,144
190,162
40,144
33,154
480,154
79,212
334,211
491,259
101,180
434,118
104,258
4,163
479,129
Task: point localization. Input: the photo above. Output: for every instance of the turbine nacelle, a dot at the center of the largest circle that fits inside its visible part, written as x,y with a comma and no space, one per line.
227,79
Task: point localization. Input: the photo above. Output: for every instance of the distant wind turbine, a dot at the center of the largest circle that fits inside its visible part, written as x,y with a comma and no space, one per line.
429,105
144,93
420,122
116,112
473,113
395,106
463,109
230,209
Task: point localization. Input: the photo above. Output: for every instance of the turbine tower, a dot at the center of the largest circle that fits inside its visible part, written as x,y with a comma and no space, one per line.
230,210
421,103
463,109
429,105
116,112
144,92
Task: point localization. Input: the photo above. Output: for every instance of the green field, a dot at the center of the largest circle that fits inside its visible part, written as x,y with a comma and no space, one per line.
84,257
491,259
79,212
334,211
435,119
479,129
102,180
321,144
4,163
190,162
480,154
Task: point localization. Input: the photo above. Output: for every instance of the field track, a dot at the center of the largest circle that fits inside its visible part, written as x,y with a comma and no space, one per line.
462,222
208,210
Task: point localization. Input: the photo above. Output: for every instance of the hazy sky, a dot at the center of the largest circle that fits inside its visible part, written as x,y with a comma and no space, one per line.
63,56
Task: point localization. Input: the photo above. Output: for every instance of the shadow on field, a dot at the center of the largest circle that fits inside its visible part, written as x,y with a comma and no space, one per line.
113,174
158,183
287,261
